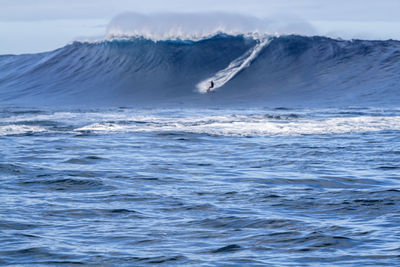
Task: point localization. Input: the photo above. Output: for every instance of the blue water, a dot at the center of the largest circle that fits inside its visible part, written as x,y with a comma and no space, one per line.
245,187
122,159
289,71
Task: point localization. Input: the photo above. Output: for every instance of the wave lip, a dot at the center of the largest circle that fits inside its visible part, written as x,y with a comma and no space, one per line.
183,26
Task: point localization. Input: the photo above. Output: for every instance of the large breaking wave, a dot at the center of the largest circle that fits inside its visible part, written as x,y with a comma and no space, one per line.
269,71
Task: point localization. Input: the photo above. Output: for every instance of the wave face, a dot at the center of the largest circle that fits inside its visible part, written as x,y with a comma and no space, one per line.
278,71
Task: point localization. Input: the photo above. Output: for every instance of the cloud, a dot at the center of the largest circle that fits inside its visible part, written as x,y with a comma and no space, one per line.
339,10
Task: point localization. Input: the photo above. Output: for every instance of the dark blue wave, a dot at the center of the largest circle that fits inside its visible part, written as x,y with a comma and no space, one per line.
290,70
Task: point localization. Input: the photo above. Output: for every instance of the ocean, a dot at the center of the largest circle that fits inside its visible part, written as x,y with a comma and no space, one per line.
112,154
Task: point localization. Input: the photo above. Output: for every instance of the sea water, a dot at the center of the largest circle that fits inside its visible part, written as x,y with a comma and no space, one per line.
245,187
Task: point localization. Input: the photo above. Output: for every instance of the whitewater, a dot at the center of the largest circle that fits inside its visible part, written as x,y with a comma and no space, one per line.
112,152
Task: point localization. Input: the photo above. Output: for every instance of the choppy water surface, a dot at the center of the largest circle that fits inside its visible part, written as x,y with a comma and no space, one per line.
215,187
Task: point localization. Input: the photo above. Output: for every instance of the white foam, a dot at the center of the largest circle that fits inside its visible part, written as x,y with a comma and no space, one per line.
250,126
14,129
105,127
225,122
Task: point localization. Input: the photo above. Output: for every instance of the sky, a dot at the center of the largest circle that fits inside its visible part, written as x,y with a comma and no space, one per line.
31,26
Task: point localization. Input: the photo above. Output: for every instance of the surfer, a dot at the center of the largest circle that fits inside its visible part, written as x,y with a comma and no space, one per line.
211,86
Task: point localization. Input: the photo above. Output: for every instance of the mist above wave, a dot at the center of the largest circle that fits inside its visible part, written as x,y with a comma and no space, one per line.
195,26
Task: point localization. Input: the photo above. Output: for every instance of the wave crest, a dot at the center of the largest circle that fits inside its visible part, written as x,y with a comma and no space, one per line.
198,26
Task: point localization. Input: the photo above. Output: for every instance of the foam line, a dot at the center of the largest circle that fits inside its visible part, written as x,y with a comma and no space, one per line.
225,75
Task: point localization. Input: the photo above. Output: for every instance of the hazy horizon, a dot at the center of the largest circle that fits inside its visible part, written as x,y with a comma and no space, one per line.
44,25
